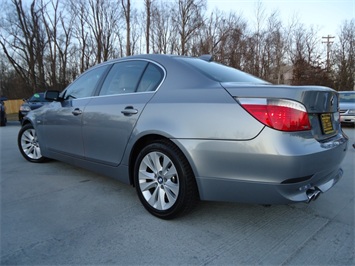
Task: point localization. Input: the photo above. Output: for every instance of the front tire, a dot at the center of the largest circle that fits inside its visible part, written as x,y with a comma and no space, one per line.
28,144
164,180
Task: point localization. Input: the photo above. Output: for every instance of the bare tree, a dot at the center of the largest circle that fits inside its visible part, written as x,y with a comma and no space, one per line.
305,57
96,28
148,11
304,44
212,33
65,50
257,38
344,57
51,22
187,19
163,37
77,10
273,49
102,19
223,36
22,41
126,6
12,85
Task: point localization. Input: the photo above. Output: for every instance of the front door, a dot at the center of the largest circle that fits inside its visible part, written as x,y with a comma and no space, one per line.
63,130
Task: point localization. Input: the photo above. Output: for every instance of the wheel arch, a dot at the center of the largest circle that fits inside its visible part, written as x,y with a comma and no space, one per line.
141,143
25,122
188,195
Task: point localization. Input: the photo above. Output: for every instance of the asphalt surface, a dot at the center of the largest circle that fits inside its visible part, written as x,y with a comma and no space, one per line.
56,214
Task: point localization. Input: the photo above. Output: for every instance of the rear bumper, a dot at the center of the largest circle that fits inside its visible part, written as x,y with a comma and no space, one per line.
215,189
274,168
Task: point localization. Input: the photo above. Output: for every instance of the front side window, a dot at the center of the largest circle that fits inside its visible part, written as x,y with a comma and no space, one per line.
85,85
123,78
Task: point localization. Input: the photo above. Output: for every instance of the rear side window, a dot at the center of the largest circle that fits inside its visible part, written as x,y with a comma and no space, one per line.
220,72
151,79
123,78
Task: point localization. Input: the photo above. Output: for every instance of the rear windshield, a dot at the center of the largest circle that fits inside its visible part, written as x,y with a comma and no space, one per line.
220,72
347,97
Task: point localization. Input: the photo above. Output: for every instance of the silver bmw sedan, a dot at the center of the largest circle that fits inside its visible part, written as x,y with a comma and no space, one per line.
183,129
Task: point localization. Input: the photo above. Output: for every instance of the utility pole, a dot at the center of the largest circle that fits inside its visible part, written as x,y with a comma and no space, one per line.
328,42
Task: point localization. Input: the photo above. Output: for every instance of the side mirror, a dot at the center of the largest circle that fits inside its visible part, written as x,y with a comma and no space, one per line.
52,96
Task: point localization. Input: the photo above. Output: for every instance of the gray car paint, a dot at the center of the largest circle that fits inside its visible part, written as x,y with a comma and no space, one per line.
233,156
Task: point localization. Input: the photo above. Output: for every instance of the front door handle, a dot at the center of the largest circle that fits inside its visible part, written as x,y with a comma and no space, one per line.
77,111
129,110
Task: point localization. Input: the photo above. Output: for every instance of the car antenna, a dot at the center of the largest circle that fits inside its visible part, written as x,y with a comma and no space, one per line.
206,57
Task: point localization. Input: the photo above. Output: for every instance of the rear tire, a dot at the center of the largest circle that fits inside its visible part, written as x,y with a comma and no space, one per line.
164,180
28,144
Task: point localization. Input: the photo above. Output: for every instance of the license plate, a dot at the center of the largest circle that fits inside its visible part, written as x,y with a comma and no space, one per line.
327,123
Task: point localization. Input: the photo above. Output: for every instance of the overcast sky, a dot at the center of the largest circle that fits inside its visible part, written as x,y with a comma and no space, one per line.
326,15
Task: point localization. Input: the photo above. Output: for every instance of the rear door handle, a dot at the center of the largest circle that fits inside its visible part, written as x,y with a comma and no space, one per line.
129,110
77,111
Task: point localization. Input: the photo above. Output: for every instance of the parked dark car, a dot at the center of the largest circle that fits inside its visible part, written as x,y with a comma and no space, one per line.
3,116
36,101
181,129
347,107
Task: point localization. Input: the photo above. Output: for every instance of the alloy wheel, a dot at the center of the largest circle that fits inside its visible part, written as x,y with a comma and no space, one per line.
158,180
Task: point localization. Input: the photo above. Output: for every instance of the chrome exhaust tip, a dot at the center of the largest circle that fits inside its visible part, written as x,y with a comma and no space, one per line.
312,194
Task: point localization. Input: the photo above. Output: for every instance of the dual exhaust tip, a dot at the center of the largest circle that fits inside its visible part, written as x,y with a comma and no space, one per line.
313,194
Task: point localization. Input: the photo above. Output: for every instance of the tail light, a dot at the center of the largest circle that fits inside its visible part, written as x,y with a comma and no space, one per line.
280,114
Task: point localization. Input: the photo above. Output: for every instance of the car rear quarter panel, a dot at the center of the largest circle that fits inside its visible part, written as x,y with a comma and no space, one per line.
197,113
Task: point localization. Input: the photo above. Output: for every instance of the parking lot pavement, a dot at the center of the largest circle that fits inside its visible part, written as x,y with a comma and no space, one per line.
53,214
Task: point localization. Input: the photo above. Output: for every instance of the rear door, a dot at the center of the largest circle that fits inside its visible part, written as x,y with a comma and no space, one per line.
109,119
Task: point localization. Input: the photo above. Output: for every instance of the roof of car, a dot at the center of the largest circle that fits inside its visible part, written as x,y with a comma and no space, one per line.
160,58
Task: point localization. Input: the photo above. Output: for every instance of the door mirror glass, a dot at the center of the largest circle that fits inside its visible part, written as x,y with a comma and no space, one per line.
52,96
